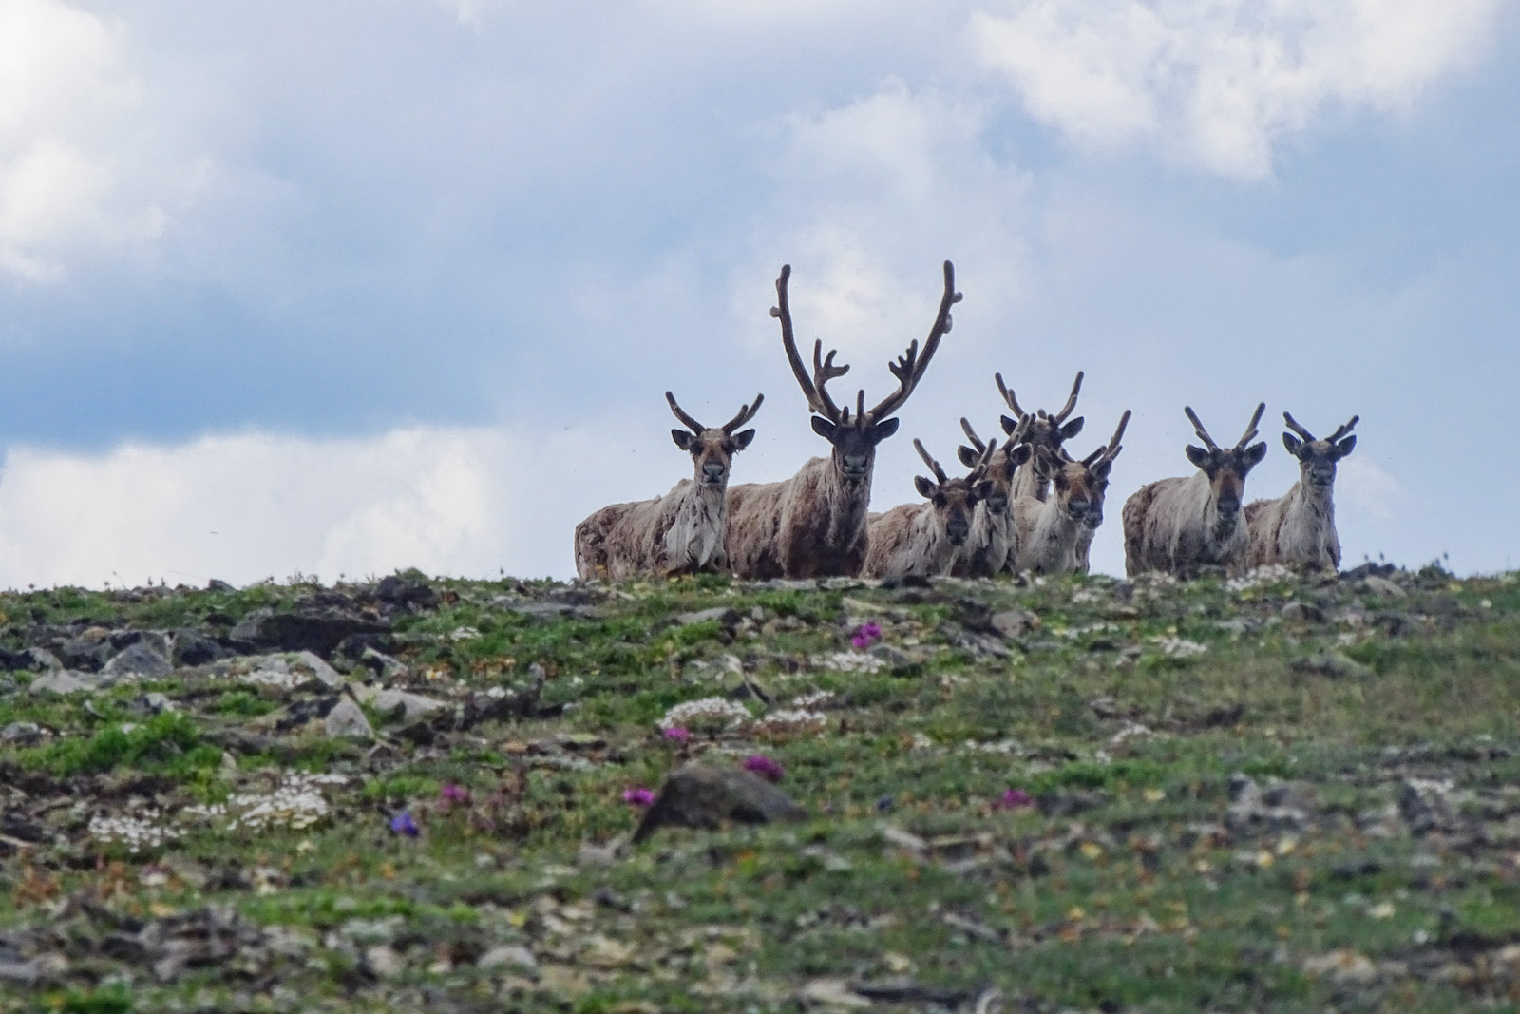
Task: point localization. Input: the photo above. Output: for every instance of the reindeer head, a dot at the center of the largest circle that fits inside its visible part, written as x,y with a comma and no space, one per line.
1042,428
712,451
1096,467
1317,458
954,500
1227,469
854,438
1001,464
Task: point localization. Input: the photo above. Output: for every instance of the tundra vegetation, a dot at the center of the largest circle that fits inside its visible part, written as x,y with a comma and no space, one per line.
1268,793
814,524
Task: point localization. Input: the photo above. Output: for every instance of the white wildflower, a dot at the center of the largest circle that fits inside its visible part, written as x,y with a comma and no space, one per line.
1272,573
135,832
850,661
1178,647
813,699
1001,746
790,719
463,634
295,802
706,712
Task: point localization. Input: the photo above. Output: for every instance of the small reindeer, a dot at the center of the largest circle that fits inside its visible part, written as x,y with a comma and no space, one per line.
1180,525
993,541
1051,530
923,539
1298,529
814,524
1042,429
1100,495
680,532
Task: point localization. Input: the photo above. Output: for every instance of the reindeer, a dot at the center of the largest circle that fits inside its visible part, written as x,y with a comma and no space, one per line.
1095,508
1298,529
993,539
1042,430
924,539
1050,531
680,532
1179,525
814,524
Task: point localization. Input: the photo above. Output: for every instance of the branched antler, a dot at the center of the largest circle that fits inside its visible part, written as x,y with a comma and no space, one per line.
1203,434
1251,429
1343,430
1112,449
934,466
909,367
686,420
1293,425
744,415
1009,399
976,441
824,369
1071,402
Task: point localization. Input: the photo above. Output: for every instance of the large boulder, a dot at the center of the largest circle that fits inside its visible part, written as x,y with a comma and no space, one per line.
317,630
705,798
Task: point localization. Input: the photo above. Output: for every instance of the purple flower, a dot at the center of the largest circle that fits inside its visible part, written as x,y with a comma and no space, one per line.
452,793
638,797
678,732
1013,799
866,635
402,823
759,764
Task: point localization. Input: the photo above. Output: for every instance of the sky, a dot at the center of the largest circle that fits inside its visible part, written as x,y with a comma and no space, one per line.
335,289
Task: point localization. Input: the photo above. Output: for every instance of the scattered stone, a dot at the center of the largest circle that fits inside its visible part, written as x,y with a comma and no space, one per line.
346,719
723,615
316,630
1383,586
193,648
383,961
35,659
1014,623
401,591
87,654
66,682
1334,664
508,956
1298,611
140,660
221,587
553,610
21,733
399,705
703,797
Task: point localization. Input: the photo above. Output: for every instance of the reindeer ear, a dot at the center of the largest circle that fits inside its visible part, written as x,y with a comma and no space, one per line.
1251,456
880,431
1292,443
983,490
1009,425
1198,456
1072,428
1018,456
967,456
823,428
924,486
742,439
682,439
1101,469
1345,447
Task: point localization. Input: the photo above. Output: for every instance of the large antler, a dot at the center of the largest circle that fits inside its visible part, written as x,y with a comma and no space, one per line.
1203,434
1111,451
824,369
934,466
1343,430
909,367
745,415
1293,425
976,441
686,420
1071,402
1251,429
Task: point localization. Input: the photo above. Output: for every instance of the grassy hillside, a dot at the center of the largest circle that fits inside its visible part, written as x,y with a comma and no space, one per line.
1263,795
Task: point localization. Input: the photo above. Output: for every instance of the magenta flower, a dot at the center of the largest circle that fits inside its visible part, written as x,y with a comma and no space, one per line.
1013,799
678,732
402,823
866,635
454,794
759,764
638,797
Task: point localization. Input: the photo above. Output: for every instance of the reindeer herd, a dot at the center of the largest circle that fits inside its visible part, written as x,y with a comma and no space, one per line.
1024,505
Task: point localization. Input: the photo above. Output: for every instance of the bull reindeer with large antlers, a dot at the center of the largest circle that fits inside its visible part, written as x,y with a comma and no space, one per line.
1050,531
1040,429
1298,529
683,531
1180,525
924,539
814,524
993,542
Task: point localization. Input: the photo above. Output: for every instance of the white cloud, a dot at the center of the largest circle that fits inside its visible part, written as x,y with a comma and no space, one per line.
1367,487
68,109
470,13
1218,84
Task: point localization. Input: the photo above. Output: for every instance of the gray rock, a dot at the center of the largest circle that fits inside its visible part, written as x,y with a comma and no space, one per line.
193,648
1302,612
383,961
553,610
142,660
303,663
508,956
87,654
705,798
66,682
1333,664
399,704
722,614
1012,623
1383,586
346,719
317,631
37,659
21,733
383,665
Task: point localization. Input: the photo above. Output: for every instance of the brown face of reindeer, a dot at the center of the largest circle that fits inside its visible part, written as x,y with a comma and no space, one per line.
1075,486
1226,469
1317,458
854,447
954,502
999,474
712,452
